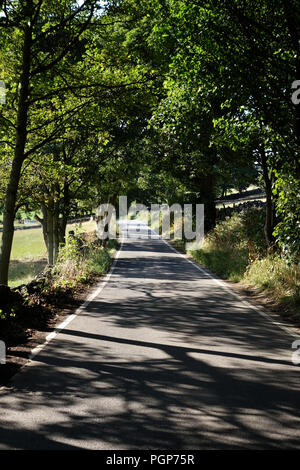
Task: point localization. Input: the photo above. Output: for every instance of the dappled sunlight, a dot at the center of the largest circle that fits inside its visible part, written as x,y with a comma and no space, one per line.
163,358
174,400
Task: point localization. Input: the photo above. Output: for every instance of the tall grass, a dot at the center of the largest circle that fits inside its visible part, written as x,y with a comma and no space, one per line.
225,250
29,254
280,281
79,263
32,306
236,250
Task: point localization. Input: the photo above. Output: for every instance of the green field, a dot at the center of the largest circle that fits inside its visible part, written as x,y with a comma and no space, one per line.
29,254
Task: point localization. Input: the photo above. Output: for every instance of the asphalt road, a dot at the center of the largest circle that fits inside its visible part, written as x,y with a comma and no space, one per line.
163,357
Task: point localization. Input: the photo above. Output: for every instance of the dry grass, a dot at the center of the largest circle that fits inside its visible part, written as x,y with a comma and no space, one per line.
235,250
276,279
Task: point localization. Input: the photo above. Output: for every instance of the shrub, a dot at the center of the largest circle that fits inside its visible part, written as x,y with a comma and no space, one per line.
31,306
226,249
287,231
79,259
236,249
280,281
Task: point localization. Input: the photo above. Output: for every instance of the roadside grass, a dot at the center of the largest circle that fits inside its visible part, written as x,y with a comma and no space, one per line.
279,281
77,265
29,254
33,306
236,250
227,264
225,250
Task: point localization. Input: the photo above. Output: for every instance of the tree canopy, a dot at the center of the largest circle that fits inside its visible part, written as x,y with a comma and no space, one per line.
164,100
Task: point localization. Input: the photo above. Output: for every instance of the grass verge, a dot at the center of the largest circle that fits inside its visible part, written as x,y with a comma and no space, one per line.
236,250
33,306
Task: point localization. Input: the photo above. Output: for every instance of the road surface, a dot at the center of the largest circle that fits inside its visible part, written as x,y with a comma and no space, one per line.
163,357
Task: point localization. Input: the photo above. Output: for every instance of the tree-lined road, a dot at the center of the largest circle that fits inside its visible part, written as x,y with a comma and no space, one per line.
163,357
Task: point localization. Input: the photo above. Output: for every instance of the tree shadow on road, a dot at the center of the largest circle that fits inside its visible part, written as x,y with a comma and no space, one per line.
170,399
221,380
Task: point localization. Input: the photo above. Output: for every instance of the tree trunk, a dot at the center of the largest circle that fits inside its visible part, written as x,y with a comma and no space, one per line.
54,230
207,197
269,223
15,174
62,230
297,124
55,237
43,222
50,238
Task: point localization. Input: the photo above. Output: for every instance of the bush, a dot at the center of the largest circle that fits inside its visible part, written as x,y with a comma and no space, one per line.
80,259
31,306
287,231
252,224
236,250
280,281
227,249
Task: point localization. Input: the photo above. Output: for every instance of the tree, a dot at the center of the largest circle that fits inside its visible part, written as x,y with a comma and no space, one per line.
35,52
232,56
53,76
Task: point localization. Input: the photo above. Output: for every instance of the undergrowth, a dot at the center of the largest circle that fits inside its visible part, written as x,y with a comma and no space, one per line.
78,262
31,306
236,250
